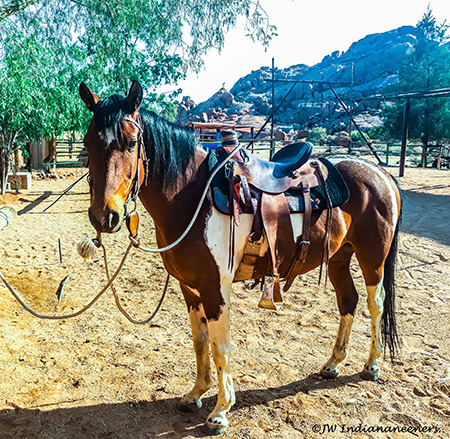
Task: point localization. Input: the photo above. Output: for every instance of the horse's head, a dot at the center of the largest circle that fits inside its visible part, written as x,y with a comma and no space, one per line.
115,146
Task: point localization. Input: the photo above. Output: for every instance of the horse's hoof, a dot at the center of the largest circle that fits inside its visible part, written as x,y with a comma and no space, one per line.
370,373
214,426
189,407
328,373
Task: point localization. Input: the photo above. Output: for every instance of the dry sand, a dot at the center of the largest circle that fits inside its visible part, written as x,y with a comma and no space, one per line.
99,376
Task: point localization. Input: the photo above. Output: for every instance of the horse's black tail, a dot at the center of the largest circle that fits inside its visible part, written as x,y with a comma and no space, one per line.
388,320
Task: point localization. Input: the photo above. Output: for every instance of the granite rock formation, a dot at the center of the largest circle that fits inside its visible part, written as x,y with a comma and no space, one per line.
365,69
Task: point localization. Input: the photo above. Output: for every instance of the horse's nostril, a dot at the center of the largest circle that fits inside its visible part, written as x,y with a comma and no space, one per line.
110,220
105,221
113,219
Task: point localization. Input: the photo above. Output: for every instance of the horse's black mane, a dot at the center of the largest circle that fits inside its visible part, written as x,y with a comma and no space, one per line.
169,147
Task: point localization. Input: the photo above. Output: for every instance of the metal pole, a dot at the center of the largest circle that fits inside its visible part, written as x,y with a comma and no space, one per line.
404,138
252,133
272,143
369,144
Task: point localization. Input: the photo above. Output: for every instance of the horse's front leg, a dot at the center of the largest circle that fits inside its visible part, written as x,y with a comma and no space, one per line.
192,401
219,332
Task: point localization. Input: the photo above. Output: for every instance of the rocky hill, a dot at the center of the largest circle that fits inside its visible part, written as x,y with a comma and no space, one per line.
366,68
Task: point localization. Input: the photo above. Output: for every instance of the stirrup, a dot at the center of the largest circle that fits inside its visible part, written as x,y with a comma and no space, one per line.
271,293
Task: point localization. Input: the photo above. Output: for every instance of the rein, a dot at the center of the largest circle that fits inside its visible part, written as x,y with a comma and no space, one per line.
132,221
132,218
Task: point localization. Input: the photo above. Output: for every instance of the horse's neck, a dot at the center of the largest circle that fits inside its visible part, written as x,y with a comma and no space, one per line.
174,209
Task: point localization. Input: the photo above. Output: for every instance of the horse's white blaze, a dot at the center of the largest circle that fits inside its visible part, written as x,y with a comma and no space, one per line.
107,135
381,174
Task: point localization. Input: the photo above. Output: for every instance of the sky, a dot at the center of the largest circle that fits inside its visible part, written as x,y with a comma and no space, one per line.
307,32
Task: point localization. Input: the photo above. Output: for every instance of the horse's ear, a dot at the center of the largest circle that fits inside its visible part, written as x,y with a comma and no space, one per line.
134,99
88,97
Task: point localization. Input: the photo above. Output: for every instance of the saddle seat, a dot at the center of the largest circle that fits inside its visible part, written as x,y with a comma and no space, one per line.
287,168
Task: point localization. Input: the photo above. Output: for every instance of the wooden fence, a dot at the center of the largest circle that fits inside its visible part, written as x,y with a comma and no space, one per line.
68,151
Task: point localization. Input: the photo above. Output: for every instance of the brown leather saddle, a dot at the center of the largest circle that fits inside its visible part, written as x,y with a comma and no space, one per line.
260,187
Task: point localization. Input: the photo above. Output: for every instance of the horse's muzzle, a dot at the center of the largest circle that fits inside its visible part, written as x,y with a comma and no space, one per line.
108,221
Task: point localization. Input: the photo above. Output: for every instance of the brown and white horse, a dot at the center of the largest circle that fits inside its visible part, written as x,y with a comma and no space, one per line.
367,226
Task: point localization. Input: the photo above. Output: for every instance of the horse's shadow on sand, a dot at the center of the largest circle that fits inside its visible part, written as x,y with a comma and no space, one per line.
144,419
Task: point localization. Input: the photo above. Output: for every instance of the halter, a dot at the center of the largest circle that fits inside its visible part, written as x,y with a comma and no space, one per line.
130,215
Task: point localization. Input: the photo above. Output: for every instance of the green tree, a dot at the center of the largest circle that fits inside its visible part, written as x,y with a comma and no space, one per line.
427,67
47,47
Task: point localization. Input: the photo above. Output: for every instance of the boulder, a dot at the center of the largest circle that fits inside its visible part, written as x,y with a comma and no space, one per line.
302,134
342,141
221,100
279,135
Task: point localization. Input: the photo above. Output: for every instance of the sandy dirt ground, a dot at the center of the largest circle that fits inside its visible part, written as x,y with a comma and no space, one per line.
99,376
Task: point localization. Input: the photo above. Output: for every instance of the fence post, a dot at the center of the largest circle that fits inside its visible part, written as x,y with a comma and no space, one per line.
388,147
423,160
272,143
404,138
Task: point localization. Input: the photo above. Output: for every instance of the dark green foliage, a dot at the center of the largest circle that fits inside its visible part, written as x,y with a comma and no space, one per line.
427,67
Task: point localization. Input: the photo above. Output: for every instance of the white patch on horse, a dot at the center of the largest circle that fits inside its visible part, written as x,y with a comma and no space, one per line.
381,174
297,224
375,301
220,338
107,135
217,237
200,335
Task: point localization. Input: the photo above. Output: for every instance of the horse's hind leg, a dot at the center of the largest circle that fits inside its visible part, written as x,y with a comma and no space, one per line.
372,266
347,298
375,301
192,401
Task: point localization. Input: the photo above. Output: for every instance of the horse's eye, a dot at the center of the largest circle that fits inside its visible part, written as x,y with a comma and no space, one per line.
131,145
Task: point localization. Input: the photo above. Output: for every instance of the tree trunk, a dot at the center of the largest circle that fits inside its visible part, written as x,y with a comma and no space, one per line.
4,164
15,6
51,158
51,147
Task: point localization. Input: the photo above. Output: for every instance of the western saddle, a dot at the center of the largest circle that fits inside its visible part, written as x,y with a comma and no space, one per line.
259,186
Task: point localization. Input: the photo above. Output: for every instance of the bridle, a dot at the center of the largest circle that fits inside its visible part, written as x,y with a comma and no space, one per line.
141,155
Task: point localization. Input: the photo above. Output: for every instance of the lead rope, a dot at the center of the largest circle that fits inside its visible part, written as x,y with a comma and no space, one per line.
116,297
134,243
77,313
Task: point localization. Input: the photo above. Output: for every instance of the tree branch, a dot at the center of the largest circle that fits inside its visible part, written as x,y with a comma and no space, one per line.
15,6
